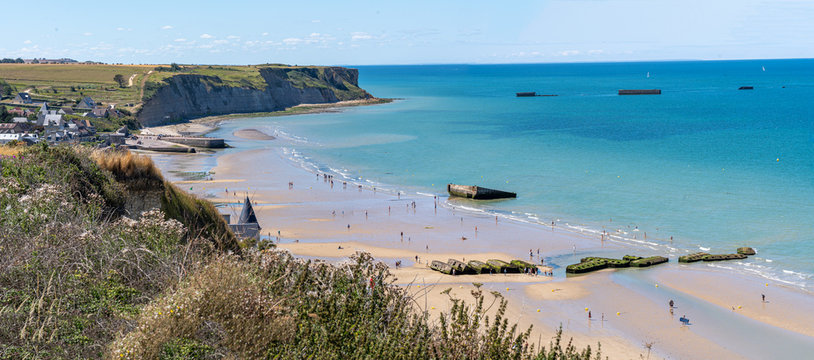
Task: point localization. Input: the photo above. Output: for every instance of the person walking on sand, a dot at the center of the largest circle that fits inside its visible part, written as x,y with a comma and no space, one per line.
671,303
589,315
763,297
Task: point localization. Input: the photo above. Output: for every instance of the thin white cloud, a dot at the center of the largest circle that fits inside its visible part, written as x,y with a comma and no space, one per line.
180,40
360,36
292,41
220,42
88,34
232,37
119,29
316,21
27,42
206,36
265,34
166,27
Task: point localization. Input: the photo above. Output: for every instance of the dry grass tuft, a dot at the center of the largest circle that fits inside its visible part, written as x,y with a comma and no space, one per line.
128,167
10,150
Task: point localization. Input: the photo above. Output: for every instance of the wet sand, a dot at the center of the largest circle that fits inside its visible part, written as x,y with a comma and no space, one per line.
252,134
313,219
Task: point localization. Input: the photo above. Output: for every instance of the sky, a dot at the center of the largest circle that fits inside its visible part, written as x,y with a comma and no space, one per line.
406,32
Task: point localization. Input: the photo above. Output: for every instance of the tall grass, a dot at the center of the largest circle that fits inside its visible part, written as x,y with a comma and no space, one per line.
72,273
139,173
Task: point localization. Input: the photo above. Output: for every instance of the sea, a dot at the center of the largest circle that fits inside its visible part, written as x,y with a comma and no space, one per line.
703,166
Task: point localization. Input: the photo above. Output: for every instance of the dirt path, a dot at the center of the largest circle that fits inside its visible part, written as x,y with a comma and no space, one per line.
144,80
130,82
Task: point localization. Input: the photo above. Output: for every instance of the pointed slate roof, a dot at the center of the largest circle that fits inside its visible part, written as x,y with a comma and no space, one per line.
247,215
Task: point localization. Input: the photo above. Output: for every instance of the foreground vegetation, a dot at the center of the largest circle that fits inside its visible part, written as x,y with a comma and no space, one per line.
86,275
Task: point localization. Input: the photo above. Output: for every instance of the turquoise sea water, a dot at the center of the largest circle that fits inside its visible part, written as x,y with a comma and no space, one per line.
712,166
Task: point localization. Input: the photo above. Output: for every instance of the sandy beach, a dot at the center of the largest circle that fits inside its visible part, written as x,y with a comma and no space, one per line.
316,219
202,126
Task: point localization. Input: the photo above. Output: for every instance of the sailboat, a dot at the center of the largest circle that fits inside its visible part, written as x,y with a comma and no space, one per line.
763,67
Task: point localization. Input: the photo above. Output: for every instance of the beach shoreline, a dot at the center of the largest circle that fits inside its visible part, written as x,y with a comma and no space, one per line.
314,219
205,125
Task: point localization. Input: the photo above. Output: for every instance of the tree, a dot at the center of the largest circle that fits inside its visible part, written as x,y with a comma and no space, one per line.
5,116
119,78
175,67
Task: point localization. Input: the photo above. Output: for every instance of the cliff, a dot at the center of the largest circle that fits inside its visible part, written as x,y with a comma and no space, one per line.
185,96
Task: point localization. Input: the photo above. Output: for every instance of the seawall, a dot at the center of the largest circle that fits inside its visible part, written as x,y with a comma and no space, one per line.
197,141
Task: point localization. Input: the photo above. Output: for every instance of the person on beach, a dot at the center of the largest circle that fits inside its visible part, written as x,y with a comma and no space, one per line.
402,236
589,315
763,297
671,303
348,226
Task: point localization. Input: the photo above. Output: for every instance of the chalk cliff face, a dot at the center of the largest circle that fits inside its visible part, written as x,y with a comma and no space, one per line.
186,96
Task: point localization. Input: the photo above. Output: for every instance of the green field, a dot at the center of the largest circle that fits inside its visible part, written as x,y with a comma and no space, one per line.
65,83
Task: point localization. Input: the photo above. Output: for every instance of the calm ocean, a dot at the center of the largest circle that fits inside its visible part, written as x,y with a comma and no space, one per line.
707,164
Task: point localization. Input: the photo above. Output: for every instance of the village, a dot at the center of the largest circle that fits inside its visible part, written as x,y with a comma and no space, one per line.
54,124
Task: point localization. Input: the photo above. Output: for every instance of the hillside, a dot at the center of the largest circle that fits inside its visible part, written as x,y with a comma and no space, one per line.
158,94
101,258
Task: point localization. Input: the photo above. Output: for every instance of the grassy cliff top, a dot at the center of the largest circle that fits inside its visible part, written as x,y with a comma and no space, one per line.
64,83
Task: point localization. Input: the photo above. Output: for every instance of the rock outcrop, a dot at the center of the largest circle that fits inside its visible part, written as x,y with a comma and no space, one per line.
186,96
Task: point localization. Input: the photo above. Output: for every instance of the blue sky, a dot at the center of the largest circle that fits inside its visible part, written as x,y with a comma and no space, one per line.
407,32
